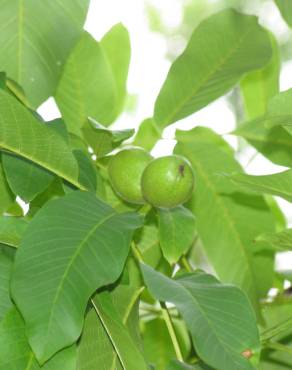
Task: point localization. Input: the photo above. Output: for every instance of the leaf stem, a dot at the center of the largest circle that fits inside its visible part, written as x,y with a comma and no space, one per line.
170,327
279,347
145,208
137,254
276,330
165,314
186,264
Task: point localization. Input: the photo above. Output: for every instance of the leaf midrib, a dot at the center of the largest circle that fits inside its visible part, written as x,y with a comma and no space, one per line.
205,80
196,303
265,188
71,262
230,223
20,39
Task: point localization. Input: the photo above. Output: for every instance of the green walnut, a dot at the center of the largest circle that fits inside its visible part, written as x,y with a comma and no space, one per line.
167,181
125,171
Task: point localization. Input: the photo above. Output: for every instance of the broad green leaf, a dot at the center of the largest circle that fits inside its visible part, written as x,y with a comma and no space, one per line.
224,324
147,135
6,262
15,210
176,232
279,111
59,126
16,354
13,88
276,314
6,196
96,349
147,240
22,134
281,241
25,178
278,184
92,85
55,190
280,104
117,48
158,346
35,41
285,7
205,70
128,353
103,140
52,283
12,230
222,212
87,170
274,142
259,86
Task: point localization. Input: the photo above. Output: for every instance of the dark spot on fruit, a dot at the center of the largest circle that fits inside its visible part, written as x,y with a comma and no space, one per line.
181,169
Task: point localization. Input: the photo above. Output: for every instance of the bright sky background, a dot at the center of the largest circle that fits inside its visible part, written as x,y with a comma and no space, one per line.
149,68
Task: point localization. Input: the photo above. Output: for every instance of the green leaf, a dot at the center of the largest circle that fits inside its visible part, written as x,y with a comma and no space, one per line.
281,241
271,133
12,230
158,346
98,341
6,262
222,212
275,314
280,104
94,246
55,190
206,71
95,350
103,140
278,184
22,134
25,178
87,170
148,134
176,232
92,85
147,240
285,8
6,198
259,86
275,143
35,42
16,354
128,353
224,320
117,48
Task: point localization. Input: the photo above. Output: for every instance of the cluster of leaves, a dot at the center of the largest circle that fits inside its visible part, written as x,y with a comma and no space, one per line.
89,282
